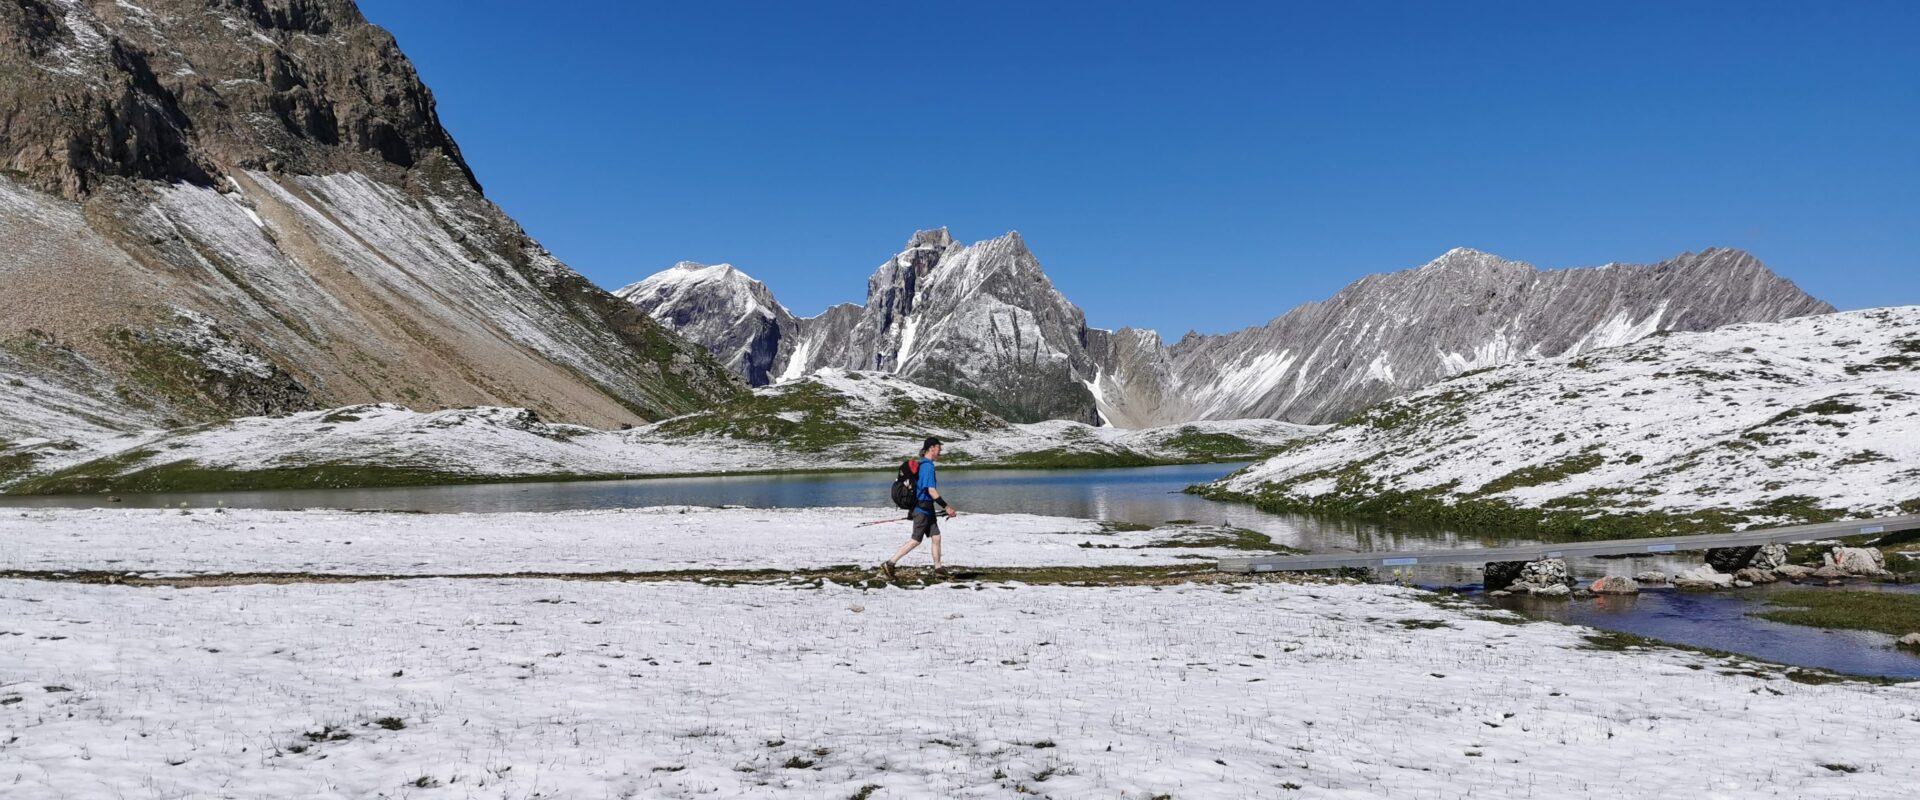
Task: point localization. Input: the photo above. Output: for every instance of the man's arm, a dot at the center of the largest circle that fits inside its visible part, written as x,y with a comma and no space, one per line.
934,493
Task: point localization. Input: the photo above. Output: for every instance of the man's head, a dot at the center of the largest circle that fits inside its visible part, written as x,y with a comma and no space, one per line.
930,448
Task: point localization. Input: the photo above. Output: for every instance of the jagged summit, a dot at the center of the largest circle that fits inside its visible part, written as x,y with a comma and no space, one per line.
935,237
1463,260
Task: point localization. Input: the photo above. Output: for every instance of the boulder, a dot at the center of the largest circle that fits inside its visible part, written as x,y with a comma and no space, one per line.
1792,572
1731,559
1652,576
1770,556
1858,561
1617,584
1702,577
1546,572
1755,575
1502,574
1830,572
1911,640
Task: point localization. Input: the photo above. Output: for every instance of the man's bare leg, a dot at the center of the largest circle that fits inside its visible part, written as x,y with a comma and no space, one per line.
908,548
936,552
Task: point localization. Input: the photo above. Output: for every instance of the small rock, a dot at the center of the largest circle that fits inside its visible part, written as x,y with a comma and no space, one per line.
1618,584
1520,588
1792,572
1555,590
856,609
1740,584
1582,593
1499,593
1911,640
1651,577
1702,577
1546,572
1830,572
1755,575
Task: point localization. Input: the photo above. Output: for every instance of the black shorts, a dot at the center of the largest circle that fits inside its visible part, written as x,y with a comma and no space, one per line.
925,524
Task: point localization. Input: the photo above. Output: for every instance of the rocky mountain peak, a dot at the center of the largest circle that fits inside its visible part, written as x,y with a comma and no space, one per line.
1469,259
186,180
936,238
191,90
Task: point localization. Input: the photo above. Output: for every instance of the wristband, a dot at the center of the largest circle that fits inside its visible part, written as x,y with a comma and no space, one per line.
940,501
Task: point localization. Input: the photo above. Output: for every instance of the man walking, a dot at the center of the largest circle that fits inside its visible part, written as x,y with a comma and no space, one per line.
924,524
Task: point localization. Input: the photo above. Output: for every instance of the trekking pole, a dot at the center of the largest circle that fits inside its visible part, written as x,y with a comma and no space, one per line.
882,521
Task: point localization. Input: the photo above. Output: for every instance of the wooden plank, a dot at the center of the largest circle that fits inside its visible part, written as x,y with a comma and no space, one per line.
1611,547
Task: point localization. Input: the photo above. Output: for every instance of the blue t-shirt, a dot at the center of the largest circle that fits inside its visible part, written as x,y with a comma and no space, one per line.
927,481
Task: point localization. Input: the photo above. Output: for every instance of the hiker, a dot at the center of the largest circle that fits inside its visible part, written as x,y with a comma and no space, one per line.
926,496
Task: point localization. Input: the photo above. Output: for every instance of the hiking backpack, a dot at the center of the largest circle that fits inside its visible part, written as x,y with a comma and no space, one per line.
906,484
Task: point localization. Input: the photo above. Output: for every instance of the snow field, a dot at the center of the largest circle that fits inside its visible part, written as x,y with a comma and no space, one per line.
539,688
1816,407
655,539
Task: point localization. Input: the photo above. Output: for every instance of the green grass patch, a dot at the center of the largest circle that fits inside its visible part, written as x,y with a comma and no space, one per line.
1064,458
1194,443
16,464
1886,612
806,416
125,473
1357,498
1551,472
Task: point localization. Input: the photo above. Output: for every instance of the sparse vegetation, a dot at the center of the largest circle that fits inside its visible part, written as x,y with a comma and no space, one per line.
1886,612
1551,472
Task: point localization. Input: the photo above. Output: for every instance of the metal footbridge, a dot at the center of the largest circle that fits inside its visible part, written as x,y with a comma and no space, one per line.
1611,547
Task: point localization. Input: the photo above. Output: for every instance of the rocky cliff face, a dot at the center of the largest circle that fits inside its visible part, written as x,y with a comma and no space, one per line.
984,322
250,206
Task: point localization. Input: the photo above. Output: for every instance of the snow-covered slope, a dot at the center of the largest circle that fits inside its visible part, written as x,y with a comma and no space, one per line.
832,419
222,209
984,322
1767,423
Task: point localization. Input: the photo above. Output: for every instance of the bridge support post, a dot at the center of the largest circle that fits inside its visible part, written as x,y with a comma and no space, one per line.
1731,559
1501,574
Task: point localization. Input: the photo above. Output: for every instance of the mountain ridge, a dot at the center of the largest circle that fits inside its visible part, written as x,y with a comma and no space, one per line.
1314,364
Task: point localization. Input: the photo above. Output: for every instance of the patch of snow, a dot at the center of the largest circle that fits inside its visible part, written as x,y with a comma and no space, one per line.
677,690
1820,407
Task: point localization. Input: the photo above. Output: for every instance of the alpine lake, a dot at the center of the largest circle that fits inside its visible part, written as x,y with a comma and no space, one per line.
1146,496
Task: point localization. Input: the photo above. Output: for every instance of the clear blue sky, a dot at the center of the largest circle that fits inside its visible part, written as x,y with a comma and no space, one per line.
1189,165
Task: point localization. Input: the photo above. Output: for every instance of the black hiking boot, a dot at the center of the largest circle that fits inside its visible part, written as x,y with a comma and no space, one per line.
886,568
